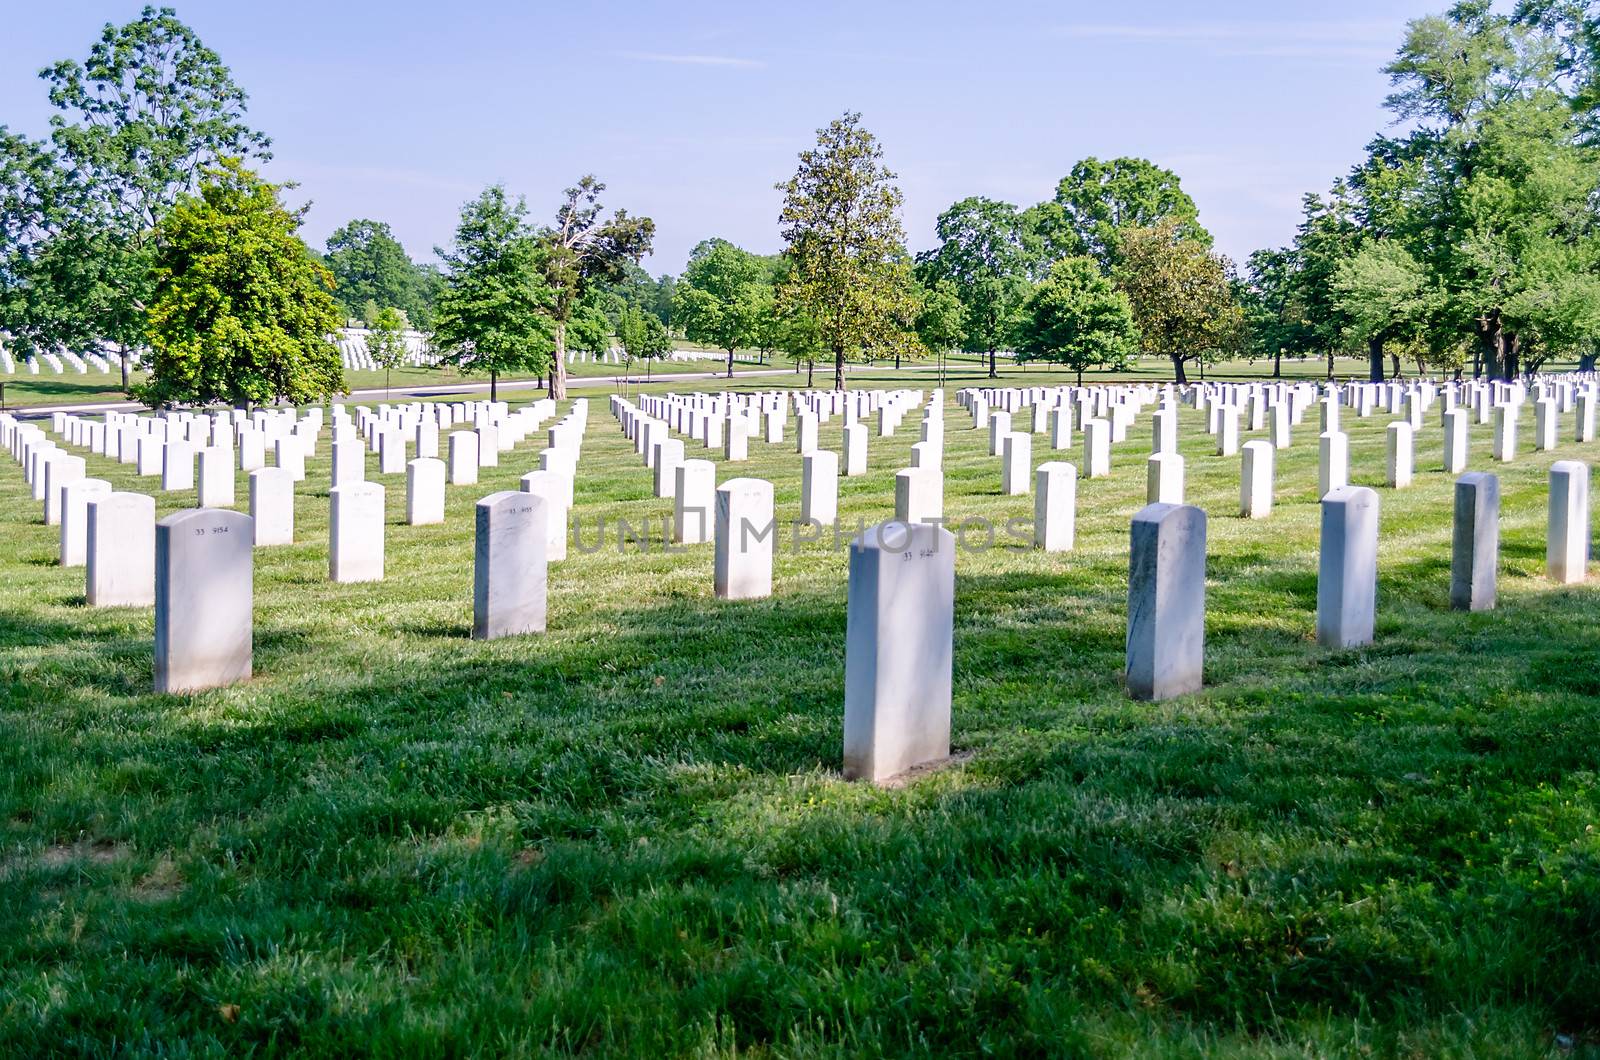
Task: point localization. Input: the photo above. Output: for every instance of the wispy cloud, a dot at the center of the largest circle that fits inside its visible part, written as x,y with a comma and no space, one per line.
691,60
1296,40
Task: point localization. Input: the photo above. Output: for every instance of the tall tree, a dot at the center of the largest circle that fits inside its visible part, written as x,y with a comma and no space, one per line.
1078,319
370,265
138,123
1383,293
991,255
643,336
715,302
845,247
240,312
1100,199
583,248
492,314
1180,293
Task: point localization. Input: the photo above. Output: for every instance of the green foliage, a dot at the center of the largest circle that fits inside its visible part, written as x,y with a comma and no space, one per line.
492,316
581,249
845,247
371,266
1180,293
136,124
240,312
643,336
386,338
1078,319
1098,200
723,298
591,328
941,318
990,254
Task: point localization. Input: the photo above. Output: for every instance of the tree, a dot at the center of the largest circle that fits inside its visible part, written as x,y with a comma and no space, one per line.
581,249
715,301
1180,294
239,311
989,252
845,246
141,119
643,336
386,341
1098,200
1274,311
1078,319
1382,292
493,314
370,265
941,320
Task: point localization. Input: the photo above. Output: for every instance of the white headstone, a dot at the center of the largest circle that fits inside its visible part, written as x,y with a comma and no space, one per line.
1016,463
1166,601
1567,539
463,458
1055,506
898,650
1401,437
272,506
1475,542
745,535
819,487
204,596
918,495
355,533
694,502
120,550
75,497
1347,570
1333,461
425,491
216,477
509,568
1256,479
1164,479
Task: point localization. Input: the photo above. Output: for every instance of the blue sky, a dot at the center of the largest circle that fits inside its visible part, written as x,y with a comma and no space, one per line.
692,112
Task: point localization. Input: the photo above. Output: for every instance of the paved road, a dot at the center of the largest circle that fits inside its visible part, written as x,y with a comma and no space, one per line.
416,391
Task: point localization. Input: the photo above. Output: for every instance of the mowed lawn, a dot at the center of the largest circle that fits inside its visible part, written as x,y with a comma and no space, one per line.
629,836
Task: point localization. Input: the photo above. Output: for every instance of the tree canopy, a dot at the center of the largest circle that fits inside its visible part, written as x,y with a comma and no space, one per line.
369,265
240,312
989,253
1077,318
849,273
492,313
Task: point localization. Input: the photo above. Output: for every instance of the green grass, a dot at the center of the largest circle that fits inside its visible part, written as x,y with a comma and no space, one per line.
629,836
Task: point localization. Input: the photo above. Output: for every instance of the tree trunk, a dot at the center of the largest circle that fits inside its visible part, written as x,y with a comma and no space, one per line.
1394,366
730,362
1277,365
1512,358
1178,375
838,368
494,386
1375,359
126,357
993,374
558,370
811,367
1490,335
1330,366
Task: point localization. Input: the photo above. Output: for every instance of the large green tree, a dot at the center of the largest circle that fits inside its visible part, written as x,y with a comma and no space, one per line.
849,275
1180,293
717,301
1078,319
370,265
492,315
136,124
1099,199
581,249
239,311
990,254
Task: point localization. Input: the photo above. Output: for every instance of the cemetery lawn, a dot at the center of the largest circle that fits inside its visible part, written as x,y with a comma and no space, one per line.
630,837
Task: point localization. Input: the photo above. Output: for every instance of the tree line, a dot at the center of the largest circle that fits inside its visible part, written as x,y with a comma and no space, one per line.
1465,239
